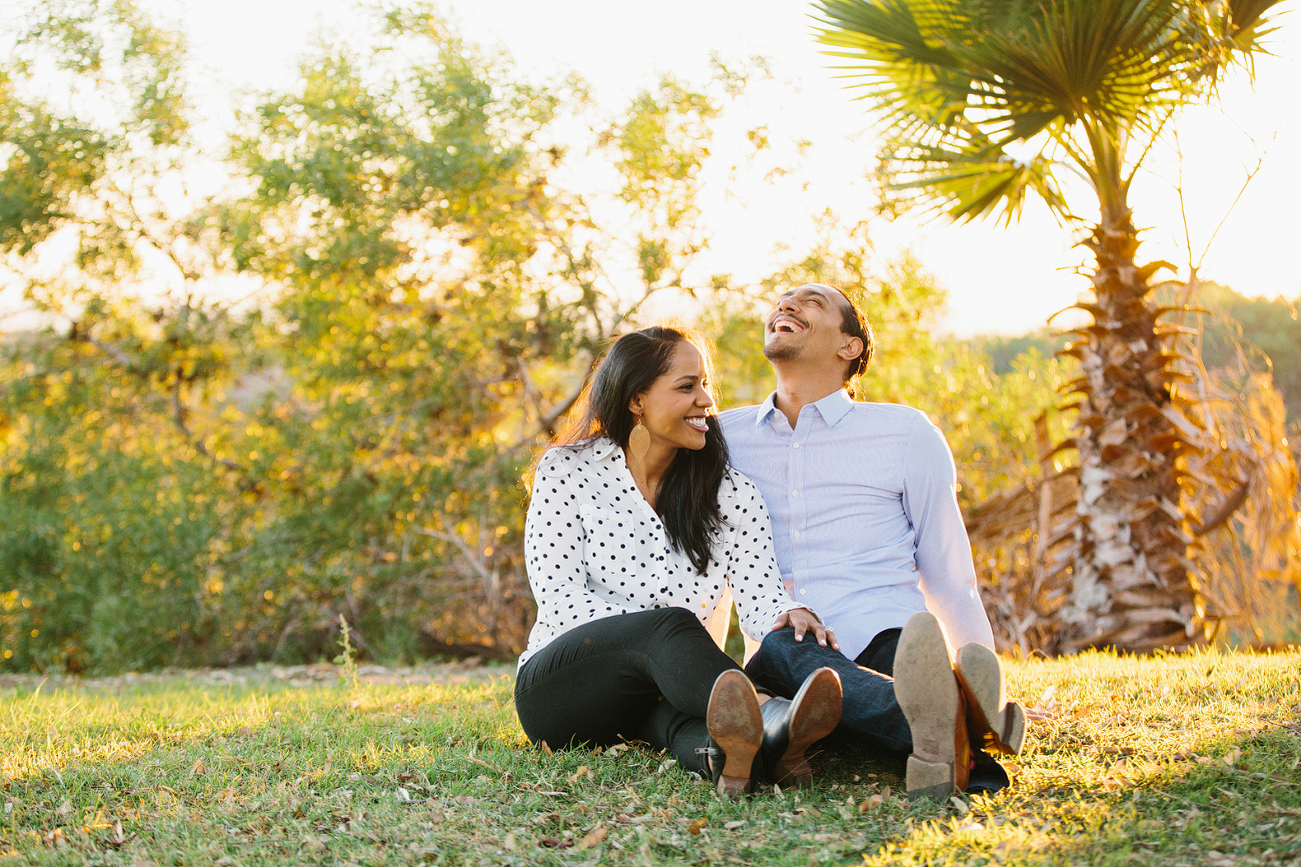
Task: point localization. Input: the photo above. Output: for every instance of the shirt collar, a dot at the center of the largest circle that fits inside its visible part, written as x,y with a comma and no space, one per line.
603,447
832,408
835,406
767,408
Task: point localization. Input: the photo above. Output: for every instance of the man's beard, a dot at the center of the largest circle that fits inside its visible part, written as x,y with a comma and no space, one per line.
780,352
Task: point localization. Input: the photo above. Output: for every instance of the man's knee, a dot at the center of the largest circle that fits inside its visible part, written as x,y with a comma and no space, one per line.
783,641
784,638
774,644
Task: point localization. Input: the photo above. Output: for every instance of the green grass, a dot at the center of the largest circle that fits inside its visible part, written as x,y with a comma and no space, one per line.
1182,760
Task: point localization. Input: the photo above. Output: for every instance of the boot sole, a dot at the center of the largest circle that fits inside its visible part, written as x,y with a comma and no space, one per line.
1001,723
927,693
735,724
816,714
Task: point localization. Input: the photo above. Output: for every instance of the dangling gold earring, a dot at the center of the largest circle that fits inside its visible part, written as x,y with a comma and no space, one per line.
639,441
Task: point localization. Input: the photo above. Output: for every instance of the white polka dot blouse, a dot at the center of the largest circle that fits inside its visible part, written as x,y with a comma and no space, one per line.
595,548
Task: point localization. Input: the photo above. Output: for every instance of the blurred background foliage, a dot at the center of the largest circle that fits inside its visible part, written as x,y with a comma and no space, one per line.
303,373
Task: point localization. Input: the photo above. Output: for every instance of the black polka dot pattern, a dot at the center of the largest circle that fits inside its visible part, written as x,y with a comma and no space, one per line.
595,548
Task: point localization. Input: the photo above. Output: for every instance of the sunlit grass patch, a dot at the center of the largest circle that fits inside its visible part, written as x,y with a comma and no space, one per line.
1188,759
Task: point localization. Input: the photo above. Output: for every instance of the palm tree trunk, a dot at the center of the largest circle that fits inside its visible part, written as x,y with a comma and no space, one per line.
1133,585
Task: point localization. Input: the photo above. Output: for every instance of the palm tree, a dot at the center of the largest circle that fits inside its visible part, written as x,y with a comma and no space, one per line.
984,102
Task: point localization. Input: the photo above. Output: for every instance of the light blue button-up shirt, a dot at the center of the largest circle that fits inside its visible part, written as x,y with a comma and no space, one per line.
865,515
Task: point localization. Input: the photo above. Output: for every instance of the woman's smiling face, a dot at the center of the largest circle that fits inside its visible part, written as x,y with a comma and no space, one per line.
675,407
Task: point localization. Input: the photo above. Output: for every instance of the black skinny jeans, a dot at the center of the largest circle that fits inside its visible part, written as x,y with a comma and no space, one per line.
644,676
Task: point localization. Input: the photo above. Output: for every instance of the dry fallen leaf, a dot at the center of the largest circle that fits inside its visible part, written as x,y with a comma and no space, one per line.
64,809
694,827
871,803
593,837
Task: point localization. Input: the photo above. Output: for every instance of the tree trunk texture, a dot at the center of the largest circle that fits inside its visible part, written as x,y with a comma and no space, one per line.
1132,580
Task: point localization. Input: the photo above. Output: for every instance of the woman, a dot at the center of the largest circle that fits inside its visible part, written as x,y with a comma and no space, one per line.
638,535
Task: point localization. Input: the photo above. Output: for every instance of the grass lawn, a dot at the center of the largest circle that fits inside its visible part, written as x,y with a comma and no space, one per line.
1178,760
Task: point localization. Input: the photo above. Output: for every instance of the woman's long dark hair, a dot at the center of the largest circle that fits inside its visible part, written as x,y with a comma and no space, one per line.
688,497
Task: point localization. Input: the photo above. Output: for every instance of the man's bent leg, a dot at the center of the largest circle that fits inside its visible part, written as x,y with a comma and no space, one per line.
987,775
870,713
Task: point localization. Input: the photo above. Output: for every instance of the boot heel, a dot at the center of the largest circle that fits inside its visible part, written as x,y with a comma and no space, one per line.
792,727
733,788
933,781
793,774
929,696
736,727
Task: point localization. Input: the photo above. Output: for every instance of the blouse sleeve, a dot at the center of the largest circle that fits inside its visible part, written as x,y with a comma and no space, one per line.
554,553
751,564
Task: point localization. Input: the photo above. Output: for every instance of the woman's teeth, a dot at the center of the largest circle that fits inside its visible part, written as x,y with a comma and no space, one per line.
699,424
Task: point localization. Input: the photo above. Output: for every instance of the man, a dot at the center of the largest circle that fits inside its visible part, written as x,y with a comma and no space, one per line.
869,535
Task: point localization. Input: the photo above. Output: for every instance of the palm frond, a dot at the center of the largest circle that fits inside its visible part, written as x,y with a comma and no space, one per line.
966,79
968,177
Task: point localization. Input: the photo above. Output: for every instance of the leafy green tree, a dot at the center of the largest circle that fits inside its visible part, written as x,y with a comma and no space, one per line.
1003,350
1269,325
191,481
986,103
112,498
441,300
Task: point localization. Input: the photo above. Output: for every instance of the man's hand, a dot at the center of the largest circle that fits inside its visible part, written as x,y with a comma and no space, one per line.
804,621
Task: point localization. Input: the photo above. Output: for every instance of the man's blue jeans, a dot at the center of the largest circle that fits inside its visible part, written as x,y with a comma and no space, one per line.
870,713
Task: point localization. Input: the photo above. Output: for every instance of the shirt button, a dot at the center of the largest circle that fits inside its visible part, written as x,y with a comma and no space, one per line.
795,446
803,591
796,534
795,493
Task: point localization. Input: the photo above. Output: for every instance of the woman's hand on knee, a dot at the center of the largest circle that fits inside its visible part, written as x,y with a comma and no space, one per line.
803,621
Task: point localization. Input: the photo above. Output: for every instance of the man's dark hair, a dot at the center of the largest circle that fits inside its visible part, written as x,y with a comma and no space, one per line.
855,324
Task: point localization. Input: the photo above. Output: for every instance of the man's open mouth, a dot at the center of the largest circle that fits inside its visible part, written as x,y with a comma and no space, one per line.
787,325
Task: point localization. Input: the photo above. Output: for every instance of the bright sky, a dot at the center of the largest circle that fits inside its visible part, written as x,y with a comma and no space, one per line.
1000,280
